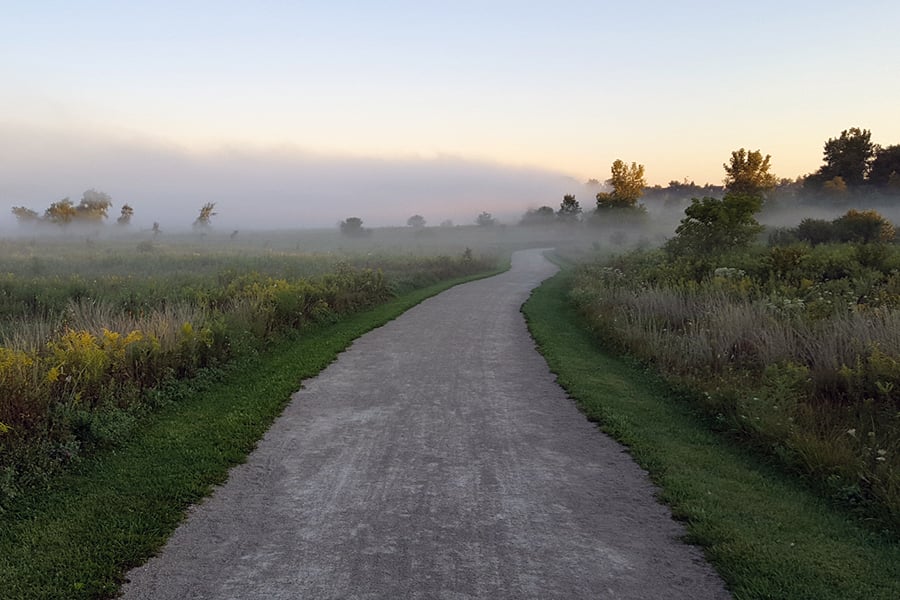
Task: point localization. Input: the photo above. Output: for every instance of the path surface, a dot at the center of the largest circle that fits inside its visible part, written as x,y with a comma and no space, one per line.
436,458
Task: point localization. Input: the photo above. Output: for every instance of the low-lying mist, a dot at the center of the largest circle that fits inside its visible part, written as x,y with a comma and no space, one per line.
264,188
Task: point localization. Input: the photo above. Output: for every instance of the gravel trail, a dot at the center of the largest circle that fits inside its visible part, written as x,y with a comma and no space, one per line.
436,458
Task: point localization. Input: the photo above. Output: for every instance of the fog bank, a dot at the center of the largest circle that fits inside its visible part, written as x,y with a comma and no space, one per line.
262,188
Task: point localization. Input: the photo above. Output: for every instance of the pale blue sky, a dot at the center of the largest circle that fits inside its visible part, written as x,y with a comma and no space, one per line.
561,86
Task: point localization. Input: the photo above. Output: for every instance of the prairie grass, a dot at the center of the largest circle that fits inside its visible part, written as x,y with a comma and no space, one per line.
86,348
768,533
817,389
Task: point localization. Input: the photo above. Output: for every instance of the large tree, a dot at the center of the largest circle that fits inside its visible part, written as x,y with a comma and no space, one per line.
627,186
885,169
848,157
61,213
94,206
747,173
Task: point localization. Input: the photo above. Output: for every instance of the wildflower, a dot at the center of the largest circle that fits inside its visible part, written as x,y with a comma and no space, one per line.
851,432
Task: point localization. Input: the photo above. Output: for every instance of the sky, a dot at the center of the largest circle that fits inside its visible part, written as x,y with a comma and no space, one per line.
316,110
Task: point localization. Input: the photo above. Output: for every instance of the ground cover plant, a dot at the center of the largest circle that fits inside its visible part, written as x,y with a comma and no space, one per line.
792,346
768,534
93,334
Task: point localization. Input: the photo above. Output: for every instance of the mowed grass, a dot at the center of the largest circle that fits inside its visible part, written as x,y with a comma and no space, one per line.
768,535
78,539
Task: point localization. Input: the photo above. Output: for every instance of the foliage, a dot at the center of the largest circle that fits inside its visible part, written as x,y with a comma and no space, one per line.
352,227
627,187
792,348
126,215
886,165
204,219
543,215
569,210
60,213
747,173
766,532
82,354
849,157
94,206
485,219
25,215
712,225
866,226
416,221
116,510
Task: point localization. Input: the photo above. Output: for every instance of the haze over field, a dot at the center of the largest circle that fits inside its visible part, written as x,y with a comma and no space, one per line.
299,115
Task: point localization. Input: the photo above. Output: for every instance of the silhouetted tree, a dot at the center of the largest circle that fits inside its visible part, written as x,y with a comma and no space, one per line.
352,226
569,209
416,221
885,165
538,216
848,157
125,217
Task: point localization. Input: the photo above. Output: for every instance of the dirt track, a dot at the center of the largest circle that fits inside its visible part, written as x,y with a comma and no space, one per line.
436,458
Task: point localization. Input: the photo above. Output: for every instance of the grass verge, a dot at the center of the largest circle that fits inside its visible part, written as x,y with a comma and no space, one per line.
769,536
77,539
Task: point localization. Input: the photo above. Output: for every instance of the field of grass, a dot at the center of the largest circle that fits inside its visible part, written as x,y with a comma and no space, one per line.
768,534
76,536
95,331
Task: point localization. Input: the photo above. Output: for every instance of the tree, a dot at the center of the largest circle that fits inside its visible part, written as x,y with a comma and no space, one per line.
125,217
569,210
94,206
485,219
711,225
848,157
885,164
538,216
627,186
25,215
864,226
352,226
835,187
61,212
203,221
747,173
416,221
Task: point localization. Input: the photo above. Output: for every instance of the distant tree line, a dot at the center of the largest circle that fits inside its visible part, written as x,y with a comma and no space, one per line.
93,208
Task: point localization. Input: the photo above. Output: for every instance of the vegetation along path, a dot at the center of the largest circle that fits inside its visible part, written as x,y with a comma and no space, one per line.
436,458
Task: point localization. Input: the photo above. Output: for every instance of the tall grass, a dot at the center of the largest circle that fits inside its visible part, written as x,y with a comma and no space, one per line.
819,391
82,358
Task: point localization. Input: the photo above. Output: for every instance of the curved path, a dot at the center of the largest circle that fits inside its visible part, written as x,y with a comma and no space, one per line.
436,458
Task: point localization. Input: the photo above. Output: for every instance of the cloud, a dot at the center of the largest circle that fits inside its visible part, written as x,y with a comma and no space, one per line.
257,188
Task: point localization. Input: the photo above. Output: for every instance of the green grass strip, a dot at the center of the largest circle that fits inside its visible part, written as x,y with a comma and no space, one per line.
768,535
117,509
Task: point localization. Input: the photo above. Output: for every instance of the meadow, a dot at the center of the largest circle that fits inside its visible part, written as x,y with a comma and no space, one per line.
97,331
790,347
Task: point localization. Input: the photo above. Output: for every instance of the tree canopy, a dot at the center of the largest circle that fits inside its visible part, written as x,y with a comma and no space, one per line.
747,173
627,183
711,225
